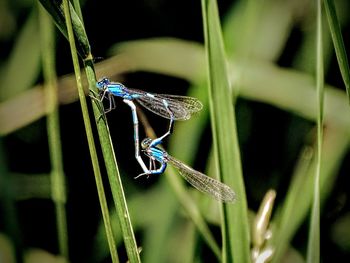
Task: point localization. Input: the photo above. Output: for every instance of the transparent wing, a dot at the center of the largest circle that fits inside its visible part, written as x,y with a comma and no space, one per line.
181,106
203,183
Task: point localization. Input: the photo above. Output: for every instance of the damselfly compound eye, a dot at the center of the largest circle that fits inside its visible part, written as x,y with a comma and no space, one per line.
146,143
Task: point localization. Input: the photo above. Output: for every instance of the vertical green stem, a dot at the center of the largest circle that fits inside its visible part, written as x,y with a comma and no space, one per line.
60,15
113,173
76,4
90,138
313,251
338,43
111,163
235,228
58,190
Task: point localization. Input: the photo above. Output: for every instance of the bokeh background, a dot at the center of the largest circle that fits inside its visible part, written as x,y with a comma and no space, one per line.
272,134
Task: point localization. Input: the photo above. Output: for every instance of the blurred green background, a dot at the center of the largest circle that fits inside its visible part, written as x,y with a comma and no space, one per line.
157,46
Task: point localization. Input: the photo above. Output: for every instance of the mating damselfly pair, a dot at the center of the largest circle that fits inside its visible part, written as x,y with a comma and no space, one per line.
172,107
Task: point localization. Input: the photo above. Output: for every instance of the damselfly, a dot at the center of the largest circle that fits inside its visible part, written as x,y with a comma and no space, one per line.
182,107
167,106
203,183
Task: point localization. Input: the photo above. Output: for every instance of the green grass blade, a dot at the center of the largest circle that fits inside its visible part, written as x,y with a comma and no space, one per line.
58,190
92,148
111,166
55,9
338,43
105,140
113,171
313,250
235,228
113,174
77,8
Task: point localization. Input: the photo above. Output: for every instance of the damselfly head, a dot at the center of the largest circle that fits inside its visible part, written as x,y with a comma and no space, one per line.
103,83
146,143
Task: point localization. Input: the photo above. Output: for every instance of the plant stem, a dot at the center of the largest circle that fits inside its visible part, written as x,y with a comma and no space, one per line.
92,148
313,248
58,190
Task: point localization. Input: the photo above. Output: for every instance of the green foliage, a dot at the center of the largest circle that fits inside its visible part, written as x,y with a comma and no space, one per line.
56,10
239,64
313,248
235,227
338,43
